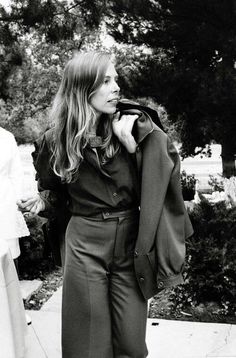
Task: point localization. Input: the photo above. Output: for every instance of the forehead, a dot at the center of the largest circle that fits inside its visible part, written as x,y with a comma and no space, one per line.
111,71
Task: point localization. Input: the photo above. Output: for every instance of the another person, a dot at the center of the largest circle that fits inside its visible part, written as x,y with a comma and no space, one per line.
118,175
12,223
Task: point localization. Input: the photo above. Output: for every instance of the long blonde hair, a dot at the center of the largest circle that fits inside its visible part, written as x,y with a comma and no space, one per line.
74,116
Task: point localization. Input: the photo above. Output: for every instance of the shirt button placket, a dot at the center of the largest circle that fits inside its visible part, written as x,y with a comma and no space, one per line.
114,196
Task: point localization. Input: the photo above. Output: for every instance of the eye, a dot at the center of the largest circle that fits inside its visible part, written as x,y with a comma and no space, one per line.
106,81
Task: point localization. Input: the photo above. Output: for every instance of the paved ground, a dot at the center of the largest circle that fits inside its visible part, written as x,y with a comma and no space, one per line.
165,339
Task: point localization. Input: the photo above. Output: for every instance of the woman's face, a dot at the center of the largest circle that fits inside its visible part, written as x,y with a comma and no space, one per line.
107,95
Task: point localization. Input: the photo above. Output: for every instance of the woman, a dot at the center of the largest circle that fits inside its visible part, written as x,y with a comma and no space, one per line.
13,225
100,174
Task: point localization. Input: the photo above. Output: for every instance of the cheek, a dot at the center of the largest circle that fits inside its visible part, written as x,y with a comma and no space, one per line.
99,99
96,102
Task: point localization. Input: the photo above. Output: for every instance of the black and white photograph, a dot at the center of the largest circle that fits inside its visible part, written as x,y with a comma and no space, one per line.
117,179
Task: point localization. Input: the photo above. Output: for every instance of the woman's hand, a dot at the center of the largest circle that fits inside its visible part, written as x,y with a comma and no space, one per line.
31,206
123,130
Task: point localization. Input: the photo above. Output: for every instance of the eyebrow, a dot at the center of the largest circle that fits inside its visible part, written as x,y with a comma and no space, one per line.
116,76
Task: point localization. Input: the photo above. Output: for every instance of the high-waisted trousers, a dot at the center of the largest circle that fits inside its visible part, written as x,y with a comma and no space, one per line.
103,311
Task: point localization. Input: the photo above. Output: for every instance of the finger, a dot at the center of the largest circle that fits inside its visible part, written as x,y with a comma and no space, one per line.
20,203
128,119
29,202
28,214
24,200
33,209
26,208
131,121
127,126
40,206
23,205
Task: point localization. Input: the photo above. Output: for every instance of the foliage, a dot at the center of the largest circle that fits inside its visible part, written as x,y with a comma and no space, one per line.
51,22
167,125
188,180
30,90
215,183
54,19
32,247
230,190
36,262
52,279
44,41
190,69
211,258
188,184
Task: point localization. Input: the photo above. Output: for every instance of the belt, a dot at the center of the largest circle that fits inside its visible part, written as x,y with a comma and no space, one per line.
109,214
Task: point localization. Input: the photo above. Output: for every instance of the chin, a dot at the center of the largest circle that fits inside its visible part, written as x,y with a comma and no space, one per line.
109,111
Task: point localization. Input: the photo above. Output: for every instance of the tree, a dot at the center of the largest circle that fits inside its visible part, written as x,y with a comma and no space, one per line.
36,40
53,20
191,66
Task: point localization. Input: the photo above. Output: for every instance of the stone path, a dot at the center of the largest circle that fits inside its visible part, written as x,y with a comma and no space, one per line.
165,339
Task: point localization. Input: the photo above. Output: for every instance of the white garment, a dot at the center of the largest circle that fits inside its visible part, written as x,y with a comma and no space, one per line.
12,315
12,223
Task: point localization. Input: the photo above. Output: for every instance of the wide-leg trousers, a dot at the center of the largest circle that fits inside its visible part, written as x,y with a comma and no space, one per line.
103,311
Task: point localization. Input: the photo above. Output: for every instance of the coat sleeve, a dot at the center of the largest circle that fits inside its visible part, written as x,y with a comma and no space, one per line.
55,196
174,227
50,188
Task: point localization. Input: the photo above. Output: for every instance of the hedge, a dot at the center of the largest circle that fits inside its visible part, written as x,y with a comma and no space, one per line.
210,271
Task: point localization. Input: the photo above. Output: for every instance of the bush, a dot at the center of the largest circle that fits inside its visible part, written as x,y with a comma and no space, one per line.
216,183
210,270
188,184
35,251
25,127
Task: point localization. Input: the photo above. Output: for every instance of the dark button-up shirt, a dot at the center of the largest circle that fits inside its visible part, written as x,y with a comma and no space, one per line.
112,186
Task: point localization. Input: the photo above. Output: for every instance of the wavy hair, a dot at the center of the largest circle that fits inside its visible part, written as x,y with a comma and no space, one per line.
74,116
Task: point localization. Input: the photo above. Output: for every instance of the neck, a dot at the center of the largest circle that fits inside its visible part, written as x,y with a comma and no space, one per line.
93,129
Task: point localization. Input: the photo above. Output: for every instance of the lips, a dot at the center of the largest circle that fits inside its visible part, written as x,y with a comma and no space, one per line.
113,100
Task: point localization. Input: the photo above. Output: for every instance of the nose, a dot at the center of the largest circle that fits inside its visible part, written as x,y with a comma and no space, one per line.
115,87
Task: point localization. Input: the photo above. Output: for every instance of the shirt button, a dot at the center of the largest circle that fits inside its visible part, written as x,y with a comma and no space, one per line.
136,253
137,149
141,279
107,214
160,284
114,194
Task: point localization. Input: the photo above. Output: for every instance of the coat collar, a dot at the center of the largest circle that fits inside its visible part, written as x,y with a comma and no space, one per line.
127,104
